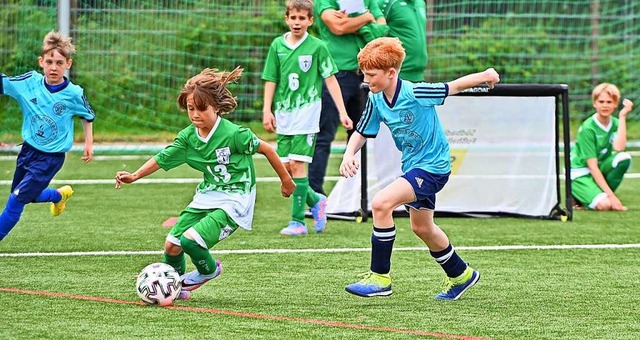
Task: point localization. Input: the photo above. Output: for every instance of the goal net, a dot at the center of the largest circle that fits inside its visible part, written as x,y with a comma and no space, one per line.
505,155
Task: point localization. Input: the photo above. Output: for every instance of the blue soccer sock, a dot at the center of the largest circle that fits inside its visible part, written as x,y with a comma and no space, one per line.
10,216
49,195
449,260
381,247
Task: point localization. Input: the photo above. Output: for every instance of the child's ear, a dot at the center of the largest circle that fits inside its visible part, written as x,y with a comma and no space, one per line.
392,72
69,63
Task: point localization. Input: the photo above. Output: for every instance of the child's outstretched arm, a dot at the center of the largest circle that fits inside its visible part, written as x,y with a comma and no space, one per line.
287,185
146,169
87,127
336,94
350,164
489,76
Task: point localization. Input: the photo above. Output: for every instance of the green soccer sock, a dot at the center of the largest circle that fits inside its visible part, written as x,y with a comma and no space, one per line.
312,197
178,262
200,256
299,198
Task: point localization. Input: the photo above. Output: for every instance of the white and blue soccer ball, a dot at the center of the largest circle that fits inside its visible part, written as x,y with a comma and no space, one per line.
158,284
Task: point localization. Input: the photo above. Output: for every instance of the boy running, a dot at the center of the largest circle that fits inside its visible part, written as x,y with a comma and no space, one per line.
222,151
49,103
408,110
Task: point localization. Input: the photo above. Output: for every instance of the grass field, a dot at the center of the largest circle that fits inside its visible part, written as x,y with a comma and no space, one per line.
72,277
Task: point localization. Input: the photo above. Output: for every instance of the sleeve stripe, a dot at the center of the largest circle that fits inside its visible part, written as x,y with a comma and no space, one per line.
366,117
432,96
20,77
89,109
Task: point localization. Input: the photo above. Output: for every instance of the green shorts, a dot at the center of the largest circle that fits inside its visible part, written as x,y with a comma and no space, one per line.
296,147
210,226
586,191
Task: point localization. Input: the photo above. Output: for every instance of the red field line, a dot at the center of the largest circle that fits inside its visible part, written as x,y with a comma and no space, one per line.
245,315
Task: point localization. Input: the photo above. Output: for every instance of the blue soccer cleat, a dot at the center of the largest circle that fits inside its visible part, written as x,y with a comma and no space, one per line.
372,284
294,228
455,287
319,215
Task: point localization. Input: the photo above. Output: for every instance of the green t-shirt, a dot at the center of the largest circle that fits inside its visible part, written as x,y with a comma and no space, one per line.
299,72
407,21
224,157
594,140
344,48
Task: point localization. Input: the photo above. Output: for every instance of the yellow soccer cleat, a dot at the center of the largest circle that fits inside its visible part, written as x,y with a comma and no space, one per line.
58,208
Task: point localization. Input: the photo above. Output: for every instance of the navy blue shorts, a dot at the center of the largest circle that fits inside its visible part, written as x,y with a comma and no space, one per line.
34,171
425,186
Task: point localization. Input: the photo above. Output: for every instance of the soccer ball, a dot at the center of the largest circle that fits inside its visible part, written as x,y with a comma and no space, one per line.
158,284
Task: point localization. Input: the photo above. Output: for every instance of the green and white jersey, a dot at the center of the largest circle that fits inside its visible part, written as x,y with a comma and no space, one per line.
407,21
344,48
225,159
299,72
594,140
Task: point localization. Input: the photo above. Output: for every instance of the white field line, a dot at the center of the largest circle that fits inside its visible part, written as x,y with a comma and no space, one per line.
153,180
268,179
329,250
137,157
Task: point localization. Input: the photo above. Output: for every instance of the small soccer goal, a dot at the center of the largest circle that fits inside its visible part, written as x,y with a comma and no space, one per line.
509,156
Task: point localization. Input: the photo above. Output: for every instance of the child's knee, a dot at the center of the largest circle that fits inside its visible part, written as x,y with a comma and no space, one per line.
604,205
172,249
189,245
381,204
622,160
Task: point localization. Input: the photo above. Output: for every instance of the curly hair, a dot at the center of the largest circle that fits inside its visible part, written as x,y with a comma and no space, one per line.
56,41
209,87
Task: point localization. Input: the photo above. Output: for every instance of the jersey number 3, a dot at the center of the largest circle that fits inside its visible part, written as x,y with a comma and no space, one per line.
220,171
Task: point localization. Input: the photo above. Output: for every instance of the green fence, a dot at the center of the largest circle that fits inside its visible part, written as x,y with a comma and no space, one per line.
134,56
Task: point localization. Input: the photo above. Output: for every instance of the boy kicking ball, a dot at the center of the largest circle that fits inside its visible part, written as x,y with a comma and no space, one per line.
408,110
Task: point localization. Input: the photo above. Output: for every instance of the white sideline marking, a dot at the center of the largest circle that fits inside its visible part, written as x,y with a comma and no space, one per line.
330,250
262,179
156,180
137,157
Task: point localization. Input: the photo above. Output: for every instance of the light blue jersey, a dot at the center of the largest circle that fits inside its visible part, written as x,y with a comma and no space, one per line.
414,124
47,117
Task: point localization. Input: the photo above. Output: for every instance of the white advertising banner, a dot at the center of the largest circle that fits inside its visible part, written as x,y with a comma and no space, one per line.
503,153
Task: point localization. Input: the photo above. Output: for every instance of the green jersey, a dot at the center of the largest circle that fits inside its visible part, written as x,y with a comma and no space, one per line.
225,159
344,48
407,21
594,140
298,72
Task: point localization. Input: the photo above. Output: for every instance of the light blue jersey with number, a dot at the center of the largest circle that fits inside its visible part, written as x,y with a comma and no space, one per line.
47,117
414,124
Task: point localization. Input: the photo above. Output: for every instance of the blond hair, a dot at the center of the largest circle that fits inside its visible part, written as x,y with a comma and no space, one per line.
210,88
56,41
301,5
607,88
381,54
